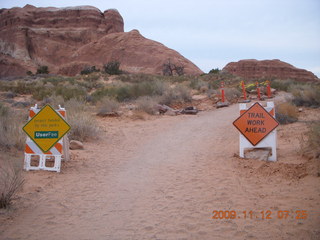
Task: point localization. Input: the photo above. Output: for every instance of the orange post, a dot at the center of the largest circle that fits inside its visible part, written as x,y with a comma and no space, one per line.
244,90
222,92
258,91
268,89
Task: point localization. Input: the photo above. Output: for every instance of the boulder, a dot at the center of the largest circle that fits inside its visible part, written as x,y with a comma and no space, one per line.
76,145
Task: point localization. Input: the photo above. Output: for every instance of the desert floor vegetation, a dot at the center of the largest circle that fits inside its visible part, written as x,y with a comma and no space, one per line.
286,113
11,179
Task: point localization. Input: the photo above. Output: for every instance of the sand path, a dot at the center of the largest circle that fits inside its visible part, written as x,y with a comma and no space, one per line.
161,179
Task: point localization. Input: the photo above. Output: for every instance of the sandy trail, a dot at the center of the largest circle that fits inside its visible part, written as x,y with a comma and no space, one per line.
161,179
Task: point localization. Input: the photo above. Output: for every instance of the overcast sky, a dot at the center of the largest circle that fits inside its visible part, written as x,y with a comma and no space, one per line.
212,33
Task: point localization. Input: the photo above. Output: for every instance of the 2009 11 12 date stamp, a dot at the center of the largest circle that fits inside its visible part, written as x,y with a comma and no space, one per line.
263,215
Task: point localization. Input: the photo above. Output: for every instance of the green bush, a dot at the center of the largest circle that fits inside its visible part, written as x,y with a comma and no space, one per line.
131,91
43,70
68,92
88,70
112,68
281,85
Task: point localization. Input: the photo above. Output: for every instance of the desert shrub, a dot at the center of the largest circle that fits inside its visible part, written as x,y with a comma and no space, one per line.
68,92
214,84
306,95
281,85
107,106
286,113
88,70
43,70
136,78
11,134
198,84
55,101
41,93
124,93
54,80
23,87
169,68
313,143
147,104
11,181
179,93
112,68
133,91
232,94
83,125
110,92
147,89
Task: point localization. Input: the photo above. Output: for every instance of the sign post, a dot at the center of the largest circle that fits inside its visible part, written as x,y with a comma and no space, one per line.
257,128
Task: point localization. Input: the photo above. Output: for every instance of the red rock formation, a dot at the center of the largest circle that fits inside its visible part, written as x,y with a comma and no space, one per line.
67,39
254,69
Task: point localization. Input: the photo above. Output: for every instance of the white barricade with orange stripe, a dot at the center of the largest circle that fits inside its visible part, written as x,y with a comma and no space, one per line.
269,141
34,154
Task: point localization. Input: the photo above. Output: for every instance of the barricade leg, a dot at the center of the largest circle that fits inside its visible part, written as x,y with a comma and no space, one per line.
56,163
28,165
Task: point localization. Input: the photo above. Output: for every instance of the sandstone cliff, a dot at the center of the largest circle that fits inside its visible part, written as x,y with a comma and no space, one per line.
254,69
68,39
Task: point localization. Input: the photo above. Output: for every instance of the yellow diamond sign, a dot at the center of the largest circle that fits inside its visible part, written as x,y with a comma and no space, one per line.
46,128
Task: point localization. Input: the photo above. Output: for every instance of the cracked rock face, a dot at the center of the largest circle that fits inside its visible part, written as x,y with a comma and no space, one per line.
68,39
254,69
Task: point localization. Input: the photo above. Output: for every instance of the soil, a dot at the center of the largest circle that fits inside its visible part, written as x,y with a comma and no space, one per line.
167,178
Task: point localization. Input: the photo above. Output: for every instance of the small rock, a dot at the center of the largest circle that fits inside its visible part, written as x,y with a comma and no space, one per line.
300,110
75,145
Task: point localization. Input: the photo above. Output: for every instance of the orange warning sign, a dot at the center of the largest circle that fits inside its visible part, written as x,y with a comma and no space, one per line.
255,123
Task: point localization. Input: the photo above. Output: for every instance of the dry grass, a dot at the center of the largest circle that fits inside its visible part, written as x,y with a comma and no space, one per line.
138,115
83,125
177,94
232,94
286,113
147,104
313,142
11,133
107,106
306,95
11,181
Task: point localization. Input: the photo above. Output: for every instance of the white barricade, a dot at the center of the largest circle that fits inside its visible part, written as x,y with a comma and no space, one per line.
34,154
269,141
